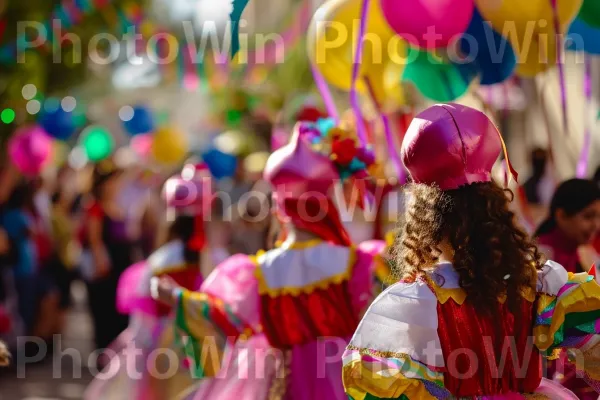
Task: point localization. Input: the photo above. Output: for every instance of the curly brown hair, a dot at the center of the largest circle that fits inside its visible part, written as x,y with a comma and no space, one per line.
492,255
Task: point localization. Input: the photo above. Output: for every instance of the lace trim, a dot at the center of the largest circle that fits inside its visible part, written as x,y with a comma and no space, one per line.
264,289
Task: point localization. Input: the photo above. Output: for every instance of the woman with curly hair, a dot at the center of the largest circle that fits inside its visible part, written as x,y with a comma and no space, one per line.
476,307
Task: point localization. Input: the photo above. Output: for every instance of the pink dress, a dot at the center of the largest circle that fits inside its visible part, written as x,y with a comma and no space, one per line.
276,325
134,373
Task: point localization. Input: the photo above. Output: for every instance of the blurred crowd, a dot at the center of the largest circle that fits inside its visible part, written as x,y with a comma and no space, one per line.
90,225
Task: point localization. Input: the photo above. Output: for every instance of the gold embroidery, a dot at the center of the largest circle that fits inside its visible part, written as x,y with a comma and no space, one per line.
536,396
377,353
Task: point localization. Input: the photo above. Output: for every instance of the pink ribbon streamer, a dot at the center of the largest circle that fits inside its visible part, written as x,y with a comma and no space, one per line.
561,67
354,100
582,164
389,137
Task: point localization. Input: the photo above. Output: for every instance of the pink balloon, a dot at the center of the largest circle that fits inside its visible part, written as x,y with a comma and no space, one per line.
142,145
30,149
428,24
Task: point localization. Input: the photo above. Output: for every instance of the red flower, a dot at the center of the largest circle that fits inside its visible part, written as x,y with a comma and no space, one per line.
344,151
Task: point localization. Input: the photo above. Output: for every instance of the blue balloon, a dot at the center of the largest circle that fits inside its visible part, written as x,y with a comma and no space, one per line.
221,165
583,37
494,57
141,123
58,123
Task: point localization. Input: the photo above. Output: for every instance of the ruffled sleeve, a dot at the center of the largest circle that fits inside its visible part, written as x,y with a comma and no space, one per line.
396,352
223,311
568,317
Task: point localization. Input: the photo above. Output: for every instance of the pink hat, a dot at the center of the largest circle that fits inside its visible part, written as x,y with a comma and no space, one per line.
297,168
189,193
452,145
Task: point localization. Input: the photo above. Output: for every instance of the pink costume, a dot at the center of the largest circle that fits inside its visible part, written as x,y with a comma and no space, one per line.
421,340
138,376
274,326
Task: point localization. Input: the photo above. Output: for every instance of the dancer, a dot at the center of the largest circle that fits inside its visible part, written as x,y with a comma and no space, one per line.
288,312
188,200
477,306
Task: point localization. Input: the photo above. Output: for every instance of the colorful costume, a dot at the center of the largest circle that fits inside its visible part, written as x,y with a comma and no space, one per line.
275,325
422,339
151,322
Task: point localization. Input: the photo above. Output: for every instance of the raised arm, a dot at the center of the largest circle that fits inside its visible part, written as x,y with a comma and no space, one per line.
223,311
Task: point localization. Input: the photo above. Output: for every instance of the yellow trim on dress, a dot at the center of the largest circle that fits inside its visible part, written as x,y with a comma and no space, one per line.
360,380
264,289
459,295
299,245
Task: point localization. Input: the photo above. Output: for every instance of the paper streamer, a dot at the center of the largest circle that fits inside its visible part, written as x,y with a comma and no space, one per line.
354,100
561,67
582,164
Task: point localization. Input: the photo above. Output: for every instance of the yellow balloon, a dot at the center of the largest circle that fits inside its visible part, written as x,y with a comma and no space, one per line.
529,26
169,146
332,39
392,85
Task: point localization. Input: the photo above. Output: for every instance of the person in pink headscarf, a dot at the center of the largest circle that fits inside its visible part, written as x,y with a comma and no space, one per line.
476,306
274,325
140,374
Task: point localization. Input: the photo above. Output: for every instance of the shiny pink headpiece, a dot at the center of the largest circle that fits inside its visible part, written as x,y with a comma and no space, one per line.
189,193
297,168
452,145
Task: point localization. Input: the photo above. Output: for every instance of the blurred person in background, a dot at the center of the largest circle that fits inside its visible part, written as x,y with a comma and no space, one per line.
36,294
10,320
180,257
572,223
19,227
108,252
538,189
67,248
252,212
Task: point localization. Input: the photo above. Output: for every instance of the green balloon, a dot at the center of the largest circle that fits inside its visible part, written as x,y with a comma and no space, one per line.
233,118
98,143
590,12
435,79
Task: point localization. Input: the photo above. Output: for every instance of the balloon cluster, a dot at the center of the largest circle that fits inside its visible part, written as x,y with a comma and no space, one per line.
340,145
164,144
442,46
